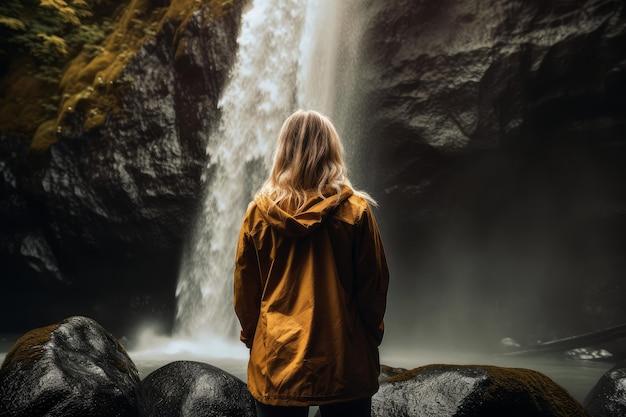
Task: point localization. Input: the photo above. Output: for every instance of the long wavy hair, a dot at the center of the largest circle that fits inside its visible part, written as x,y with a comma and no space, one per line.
308,158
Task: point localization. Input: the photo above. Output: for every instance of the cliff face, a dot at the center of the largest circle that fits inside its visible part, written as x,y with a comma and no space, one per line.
493,134
98,222
500,133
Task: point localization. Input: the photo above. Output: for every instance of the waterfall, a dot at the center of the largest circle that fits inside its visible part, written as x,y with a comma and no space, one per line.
286,60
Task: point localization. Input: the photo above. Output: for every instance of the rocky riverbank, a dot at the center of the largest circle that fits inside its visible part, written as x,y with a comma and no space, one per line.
77,368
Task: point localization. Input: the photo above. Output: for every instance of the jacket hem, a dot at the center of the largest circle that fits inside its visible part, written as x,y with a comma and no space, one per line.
304,401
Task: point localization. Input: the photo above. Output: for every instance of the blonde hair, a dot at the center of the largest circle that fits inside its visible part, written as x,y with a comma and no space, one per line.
308,158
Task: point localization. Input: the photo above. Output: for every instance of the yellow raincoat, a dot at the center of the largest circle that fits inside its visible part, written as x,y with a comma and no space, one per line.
310,294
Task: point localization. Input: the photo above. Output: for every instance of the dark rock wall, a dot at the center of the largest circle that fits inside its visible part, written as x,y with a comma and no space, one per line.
97,225
498,130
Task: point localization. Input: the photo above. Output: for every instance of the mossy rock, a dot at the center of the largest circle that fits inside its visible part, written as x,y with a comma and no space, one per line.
473,391
80,57
72,368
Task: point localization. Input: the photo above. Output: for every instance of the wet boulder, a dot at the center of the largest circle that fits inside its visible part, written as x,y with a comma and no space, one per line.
608,397
72,368
190,389
472,391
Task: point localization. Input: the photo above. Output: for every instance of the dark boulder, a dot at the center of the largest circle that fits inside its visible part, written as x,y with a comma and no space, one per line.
190,389
608,397
473,391
72,368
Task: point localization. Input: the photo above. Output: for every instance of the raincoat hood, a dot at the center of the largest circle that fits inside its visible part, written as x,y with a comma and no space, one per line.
316,210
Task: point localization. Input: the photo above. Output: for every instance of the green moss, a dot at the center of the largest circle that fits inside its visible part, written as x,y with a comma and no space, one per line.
39,28
44,137
27,101
94,120
100,78
78,58
68,12
12,23
37,40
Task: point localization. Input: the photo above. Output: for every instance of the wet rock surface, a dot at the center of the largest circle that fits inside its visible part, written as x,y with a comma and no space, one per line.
77,368
186,388
455,391
73,368
496,141
100,221
608,397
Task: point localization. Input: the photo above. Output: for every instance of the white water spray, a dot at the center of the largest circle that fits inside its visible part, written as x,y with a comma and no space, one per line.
286,60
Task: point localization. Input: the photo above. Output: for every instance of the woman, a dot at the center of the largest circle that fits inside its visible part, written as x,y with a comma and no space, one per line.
311,280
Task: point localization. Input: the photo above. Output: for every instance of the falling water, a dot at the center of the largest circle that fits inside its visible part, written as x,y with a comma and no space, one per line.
286,60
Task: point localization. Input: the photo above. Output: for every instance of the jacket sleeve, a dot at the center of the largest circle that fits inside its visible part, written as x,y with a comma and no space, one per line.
248,290
372,275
